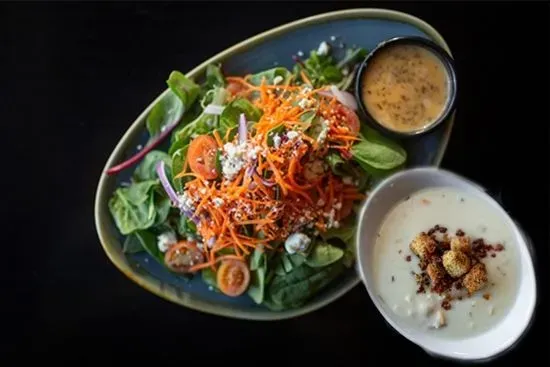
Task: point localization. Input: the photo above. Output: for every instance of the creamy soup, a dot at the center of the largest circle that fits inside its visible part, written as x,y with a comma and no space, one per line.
405,87
395,263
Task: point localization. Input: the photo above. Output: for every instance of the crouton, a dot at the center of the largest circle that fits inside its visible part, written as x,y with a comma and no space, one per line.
423,246
461,243
435,272
476,278
456,263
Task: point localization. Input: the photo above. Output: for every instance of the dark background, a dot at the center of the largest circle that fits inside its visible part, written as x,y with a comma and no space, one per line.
79,73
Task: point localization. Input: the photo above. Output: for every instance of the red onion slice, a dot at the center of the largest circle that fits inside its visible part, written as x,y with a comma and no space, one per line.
242,129
344,97
166,184
161,173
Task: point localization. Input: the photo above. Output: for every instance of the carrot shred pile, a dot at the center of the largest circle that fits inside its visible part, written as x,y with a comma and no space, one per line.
287,186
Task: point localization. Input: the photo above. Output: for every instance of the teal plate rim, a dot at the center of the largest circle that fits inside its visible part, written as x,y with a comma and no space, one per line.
111,245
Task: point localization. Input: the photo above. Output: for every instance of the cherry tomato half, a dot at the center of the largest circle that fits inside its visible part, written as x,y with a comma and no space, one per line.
233,277
234,88
201,156
182,256
350,119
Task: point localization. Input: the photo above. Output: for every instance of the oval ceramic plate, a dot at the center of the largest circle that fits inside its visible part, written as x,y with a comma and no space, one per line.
363,27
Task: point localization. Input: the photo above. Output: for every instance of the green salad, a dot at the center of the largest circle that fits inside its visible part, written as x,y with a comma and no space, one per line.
258,190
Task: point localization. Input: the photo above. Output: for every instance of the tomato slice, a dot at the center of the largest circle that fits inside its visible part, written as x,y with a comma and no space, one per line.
233,277
347,207
182,256
350,119
234,88
201,156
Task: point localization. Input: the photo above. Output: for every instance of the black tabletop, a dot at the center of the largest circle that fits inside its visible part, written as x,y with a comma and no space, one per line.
79,73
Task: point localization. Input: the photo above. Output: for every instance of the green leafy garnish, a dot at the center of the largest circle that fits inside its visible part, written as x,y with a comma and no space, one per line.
146,169
269,76
324,254
133,207
378,152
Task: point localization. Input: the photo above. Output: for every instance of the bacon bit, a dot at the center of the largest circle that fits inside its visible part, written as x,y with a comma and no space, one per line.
499,247
408,258
425,201
460,233
446,305
487,296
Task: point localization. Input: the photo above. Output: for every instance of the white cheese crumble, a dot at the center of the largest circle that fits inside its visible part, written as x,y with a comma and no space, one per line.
276,141
186,202
323,49
333,38
291,135
300,53
347,180
277,79
233,160
218,202
166,240
297,242
324,131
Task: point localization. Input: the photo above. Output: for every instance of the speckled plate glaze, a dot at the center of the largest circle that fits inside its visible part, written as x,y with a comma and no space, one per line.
363,27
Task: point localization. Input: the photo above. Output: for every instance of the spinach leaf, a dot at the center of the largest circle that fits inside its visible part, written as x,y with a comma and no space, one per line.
185,227
346,234
162,207
178,159
269,76
132,244
297,259
231,113
337,164
133,207
293,289
214,77
205,123
324,254
209,277
256,290
149,242
258,267
165,112
186,89
257,260
146,169
175,146
378,151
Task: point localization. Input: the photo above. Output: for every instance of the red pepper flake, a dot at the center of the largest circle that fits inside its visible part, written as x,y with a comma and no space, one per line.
493,255
443,229
408,258
487,296
446,305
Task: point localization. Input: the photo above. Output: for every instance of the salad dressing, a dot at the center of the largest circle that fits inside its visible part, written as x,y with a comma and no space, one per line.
405,87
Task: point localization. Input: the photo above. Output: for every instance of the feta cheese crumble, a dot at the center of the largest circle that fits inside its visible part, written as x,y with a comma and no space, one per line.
291,135
218,202
297,242
166,240
324,131
233,160
276,141
323,49
278,79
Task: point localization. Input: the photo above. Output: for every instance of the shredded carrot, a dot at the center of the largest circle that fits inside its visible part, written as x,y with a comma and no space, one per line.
279,190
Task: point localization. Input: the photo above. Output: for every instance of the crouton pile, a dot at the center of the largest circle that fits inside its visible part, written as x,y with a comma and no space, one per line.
448,262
